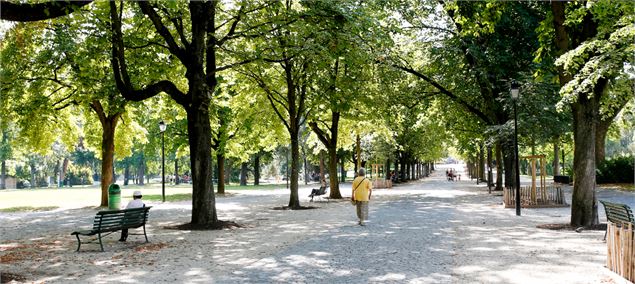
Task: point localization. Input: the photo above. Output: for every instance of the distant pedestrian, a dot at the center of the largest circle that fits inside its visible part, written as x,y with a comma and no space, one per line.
136,202
362,191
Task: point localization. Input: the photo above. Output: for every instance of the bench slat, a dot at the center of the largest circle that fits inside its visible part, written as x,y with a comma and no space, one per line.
618,213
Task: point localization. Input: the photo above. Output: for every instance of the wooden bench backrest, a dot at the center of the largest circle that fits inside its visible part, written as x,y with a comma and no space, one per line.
618,213
114,220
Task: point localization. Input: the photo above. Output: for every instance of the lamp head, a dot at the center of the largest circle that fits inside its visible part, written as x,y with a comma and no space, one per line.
162,126
515,90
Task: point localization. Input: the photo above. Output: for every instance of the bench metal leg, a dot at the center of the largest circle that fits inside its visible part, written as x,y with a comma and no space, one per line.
144,233
100,244
79,242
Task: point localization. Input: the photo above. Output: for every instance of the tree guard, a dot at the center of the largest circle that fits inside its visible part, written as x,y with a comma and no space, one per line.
378,181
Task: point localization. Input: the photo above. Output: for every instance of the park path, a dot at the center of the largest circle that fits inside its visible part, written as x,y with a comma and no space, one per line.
428,231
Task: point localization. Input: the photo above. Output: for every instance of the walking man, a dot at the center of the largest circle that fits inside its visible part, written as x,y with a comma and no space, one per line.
362,190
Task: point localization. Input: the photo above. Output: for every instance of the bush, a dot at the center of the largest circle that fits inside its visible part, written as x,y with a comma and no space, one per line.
78,175
618,170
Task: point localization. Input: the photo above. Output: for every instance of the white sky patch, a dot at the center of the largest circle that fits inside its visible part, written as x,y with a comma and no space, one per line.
4,27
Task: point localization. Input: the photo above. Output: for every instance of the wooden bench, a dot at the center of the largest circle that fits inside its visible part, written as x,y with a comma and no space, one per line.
617,213
111,221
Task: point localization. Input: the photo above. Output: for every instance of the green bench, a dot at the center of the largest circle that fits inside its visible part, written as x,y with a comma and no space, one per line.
110,221
617,213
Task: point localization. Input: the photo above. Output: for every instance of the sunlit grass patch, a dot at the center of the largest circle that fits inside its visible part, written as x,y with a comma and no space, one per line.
170,198
619,186
28,209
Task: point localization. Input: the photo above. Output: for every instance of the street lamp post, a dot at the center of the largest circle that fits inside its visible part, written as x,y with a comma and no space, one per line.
162,127
515,94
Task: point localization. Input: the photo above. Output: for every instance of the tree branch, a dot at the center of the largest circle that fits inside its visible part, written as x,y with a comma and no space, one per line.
99,110
275,109
122,78
229,66
446,92
174,48
63,99
30,12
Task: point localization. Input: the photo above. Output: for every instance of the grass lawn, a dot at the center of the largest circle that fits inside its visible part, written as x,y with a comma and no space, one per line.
44,199
618,186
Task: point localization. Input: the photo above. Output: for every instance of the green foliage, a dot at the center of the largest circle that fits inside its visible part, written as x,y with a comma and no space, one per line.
602,56
79,175
616,170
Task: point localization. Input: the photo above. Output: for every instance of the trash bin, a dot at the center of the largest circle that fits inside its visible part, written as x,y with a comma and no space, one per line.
114,197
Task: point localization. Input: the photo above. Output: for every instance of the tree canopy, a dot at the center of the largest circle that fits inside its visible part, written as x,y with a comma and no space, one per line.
406,81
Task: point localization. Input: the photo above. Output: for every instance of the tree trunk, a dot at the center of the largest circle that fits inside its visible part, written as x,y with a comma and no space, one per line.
499,167
342,170
199,136
490,176
322,166
228,171
335,185
64,169
294,199
220,163
107,156
3,175
257,170
126,174
556,156
32,175
481,163
243,174
406,166
602,128
306,172
142,170
177,178
508,156
584,201
402,168
108,124
413,170
358,155
4,156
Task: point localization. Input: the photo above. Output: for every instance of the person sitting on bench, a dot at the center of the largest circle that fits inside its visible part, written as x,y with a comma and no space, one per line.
318,191
134,203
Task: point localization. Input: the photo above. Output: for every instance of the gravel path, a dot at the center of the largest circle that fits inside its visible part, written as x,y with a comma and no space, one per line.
429,231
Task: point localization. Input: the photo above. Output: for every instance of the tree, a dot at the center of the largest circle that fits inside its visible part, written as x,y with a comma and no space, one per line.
593,41
30,96
484,46
342,71
212,28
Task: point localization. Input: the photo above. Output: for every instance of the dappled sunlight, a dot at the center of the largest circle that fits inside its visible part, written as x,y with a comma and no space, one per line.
389,277
432,231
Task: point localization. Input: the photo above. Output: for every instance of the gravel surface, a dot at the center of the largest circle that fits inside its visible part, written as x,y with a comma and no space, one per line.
428,231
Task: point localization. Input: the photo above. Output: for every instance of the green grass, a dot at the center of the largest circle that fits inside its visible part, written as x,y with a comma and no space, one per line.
170,198
252,187
28,209
619,186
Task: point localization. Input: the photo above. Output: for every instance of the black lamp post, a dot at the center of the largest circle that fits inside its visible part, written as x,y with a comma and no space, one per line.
515,94
162,127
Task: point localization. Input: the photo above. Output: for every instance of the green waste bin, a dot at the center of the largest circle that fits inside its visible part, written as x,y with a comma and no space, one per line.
114,197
